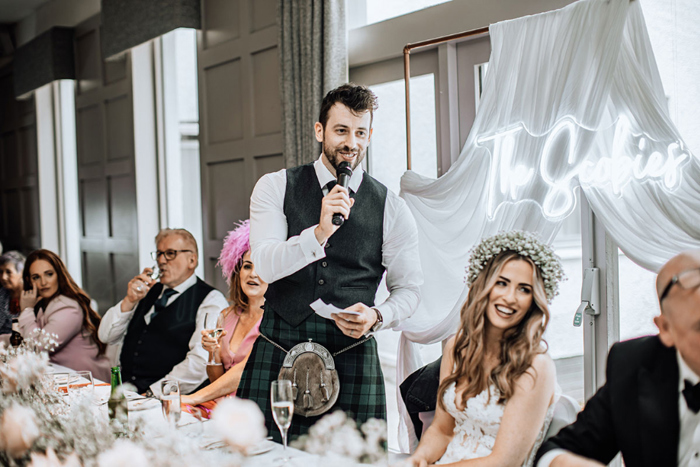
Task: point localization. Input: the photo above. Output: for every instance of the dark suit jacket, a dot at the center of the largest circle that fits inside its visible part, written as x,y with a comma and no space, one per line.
635,412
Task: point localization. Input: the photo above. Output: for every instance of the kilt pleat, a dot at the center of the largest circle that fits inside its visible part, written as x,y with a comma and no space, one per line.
362,393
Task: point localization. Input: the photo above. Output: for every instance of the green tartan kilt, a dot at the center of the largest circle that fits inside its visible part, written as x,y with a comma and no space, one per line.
362,395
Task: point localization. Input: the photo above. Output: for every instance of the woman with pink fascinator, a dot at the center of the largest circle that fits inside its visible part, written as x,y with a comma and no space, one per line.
241,321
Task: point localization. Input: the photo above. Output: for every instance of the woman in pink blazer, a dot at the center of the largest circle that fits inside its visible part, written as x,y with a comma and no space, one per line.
52,301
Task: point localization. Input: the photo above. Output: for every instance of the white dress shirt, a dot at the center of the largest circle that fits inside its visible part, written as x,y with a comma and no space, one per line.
276,257
190,372
689,440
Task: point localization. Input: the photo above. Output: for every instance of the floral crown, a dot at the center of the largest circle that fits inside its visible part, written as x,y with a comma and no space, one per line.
524,244
236,243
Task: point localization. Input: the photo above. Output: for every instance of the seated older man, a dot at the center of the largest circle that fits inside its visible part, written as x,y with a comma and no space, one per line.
648,407
159,323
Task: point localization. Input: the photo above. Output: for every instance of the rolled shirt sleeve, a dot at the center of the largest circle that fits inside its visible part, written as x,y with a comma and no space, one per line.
274,255
401,260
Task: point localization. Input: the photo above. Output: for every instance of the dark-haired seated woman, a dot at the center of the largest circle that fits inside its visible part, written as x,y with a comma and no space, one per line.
241,323
497,384
52,301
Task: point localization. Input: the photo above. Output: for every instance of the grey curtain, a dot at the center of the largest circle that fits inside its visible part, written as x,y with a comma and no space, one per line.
313,60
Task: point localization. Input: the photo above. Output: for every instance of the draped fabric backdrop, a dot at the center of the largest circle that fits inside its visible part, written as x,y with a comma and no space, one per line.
572,101
313,60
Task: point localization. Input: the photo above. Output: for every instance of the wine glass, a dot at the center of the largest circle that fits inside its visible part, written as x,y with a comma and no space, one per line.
282,409
81,384
215,332
170,401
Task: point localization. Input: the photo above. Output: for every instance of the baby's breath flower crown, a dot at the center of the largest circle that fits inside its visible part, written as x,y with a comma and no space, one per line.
525,244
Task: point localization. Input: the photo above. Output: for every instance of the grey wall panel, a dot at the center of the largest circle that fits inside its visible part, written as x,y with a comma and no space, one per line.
119,123
115,70
266,100
87,61
27,140
12,158
240,113
267,164
105,168
14,215
213,275
224,106
93,201
91,140
221,21
263,14
122,198
227,185
30,219
97,280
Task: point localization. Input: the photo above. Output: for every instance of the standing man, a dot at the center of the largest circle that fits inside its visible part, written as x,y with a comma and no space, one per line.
649,407
159,324
304,256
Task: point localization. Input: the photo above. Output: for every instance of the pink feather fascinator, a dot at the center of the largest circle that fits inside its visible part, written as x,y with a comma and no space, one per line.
236,243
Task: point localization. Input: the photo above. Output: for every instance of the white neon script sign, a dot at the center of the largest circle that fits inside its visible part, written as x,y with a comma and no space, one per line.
570,155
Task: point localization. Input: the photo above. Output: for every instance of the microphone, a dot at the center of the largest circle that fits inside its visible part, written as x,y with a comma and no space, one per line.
344,173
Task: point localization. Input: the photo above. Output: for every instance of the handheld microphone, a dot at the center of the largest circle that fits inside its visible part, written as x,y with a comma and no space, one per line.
344,173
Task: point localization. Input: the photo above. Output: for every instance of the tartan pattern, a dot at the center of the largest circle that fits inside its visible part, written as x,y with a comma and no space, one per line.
362,393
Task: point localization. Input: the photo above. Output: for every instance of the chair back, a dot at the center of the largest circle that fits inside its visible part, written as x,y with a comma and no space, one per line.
565,411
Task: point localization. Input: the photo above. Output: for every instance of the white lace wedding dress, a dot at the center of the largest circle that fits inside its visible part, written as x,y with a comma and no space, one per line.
477,425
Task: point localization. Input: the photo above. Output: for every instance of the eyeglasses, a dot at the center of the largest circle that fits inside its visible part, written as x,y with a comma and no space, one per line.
687,280
169,254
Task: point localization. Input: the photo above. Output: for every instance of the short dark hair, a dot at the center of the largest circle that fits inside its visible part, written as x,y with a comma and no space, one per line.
357,98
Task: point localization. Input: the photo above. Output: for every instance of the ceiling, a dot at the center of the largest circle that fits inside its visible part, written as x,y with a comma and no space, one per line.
12,11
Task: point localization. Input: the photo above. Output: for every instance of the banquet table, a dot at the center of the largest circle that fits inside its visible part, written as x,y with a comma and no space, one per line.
149,410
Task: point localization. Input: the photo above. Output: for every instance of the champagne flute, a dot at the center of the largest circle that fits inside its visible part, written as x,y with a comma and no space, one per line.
282,409
170,401
214,333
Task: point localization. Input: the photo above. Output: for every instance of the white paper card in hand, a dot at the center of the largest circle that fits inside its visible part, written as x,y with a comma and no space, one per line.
324,310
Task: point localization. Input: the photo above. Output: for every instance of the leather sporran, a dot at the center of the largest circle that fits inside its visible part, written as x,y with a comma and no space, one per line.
315,383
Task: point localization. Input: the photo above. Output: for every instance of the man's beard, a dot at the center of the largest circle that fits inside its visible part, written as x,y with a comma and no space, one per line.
333,156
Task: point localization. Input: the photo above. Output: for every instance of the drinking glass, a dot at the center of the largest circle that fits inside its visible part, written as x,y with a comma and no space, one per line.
81,384
155,275
215,332
60,382
282,409
171,401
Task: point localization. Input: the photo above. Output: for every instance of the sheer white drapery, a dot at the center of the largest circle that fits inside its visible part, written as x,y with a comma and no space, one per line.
572,102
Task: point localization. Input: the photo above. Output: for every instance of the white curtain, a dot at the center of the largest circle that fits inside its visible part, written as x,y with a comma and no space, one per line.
572,101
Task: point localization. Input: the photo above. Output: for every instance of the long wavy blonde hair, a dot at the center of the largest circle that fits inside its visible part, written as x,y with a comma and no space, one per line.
519,346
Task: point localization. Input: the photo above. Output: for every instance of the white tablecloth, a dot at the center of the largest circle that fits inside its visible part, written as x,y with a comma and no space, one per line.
150,411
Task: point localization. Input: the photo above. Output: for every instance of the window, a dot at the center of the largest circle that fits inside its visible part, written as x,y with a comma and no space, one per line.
363,12
638,301
387,152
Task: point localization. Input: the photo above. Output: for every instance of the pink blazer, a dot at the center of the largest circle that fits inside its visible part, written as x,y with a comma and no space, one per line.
76,349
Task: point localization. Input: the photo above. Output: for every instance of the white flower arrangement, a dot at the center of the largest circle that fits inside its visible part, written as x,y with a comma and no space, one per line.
337,438
38,427
525,244
240,423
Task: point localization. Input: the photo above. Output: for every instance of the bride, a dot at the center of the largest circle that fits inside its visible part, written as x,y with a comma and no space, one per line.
497,383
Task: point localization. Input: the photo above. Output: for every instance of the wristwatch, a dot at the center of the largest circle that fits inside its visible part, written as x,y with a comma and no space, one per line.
149,393
379,322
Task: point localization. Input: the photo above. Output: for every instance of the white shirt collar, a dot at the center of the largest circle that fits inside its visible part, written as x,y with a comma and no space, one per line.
325,176
189,282
684,372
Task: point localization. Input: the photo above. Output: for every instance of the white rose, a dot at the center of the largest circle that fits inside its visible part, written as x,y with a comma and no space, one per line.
240,423
124,454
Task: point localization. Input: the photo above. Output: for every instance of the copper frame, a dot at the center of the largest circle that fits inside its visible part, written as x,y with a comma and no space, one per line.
474,33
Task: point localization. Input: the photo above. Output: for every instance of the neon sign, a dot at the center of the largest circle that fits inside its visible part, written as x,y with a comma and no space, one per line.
571,155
